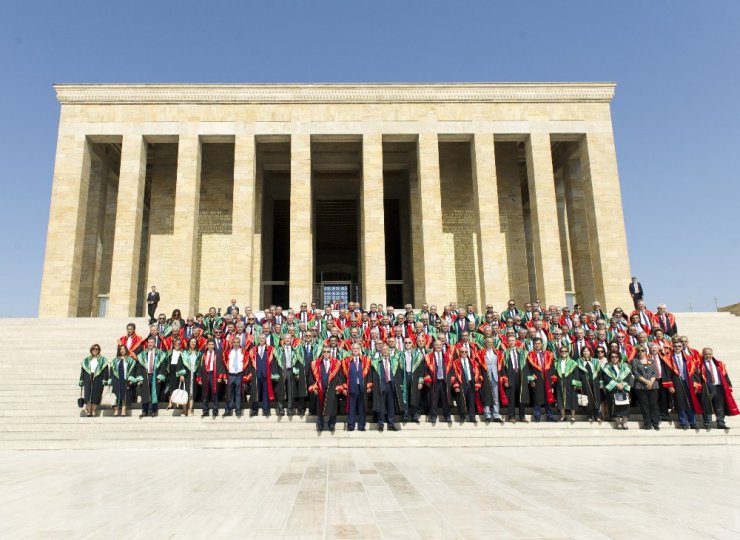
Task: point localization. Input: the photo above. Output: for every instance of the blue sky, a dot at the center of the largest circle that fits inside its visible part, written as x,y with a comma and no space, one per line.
676,112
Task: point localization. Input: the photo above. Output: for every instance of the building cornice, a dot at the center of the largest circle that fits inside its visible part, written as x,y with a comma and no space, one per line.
334,93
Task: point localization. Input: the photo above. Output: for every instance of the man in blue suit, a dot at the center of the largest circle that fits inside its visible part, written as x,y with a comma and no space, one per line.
354,367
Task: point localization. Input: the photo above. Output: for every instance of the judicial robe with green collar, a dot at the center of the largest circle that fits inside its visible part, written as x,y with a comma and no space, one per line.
396,374
610,377
589,380
554,346
92,382
188,367
210,324
417,376
565,388
148,387
285,386
130,364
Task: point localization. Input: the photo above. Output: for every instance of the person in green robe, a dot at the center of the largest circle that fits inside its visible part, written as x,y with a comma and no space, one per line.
121,368
565,388
93,376
149,373
617,379
187,369
588,383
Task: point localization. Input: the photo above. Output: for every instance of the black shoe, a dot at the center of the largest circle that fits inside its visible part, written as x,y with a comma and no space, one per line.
350,429
142,415
498,420
380,427
215,414
656,427
319,428
664,418
551,419
228,413
448,419
488,420
252,413
392,427
647,427
473,419
301,412
535,419
462,419
722,425
684,427
281,413
332,428
417,420
708,427
693,426
204,414
361,429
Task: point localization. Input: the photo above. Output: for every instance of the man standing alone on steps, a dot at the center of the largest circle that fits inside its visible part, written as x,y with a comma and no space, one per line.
152,301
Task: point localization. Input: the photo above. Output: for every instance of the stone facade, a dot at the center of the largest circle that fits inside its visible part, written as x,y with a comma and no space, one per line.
505,190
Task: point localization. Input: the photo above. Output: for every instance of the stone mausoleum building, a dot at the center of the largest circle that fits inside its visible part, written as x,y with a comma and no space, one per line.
282,193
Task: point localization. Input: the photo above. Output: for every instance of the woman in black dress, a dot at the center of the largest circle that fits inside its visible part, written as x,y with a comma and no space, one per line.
92,379
617,380
589,372
121,368
187,370
567,370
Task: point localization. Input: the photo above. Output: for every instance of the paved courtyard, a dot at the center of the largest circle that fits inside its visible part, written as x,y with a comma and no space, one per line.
673,492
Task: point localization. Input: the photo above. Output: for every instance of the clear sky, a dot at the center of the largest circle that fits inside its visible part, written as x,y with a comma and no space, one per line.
676,112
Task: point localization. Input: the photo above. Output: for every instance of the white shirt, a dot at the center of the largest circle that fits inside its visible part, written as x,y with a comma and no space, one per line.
150,360
714,375
408,361
175,358
288,357
129,340
236,361
210,360
93,364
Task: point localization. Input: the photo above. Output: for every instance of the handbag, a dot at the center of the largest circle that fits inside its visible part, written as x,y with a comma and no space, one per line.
180,396
80,400
621,399
109,398
582,400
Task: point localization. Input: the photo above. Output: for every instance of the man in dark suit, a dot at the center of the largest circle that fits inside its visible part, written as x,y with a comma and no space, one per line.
636,291
152,301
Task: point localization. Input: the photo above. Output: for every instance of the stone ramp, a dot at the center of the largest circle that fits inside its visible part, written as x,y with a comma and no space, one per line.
38,407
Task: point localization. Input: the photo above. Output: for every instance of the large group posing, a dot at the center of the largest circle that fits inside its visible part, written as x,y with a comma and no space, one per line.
405,363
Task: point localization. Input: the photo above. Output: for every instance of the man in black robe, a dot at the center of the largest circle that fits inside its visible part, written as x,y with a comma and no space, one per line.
326,379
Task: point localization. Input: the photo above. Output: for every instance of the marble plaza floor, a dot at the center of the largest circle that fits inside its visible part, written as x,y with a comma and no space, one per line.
625,492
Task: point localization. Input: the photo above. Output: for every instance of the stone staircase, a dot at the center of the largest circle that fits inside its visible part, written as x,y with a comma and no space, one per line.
38,407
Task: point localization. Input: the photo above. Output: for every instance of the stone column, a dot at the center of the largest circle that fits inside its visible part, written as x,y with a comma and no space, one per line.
124,284
583,276
242,231
301,221
60,285
417,247
182,262
608,239
256,300
493,271
512,221
372,221
436,290
543,211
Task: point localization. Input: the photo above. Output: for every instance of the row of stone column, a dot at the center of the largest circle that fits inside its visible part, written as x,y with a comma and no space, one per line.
607,244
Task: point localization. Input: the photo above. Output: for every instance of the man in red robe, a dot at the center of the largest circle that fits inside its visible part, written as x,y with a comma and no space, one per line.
716,390
133,341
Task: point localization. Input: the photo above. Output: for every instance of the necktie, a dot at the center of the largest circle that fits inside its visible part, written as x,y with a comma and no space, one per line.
387,370
515,361
357,370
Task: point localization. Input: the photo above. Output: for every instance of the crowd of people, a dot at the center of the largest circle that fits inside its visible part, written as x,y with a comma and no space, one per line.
393,365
